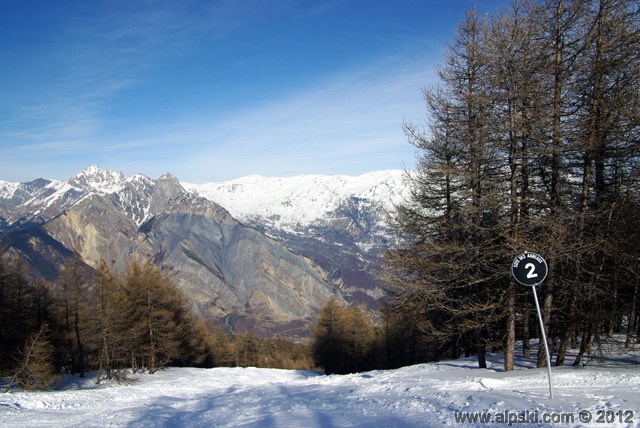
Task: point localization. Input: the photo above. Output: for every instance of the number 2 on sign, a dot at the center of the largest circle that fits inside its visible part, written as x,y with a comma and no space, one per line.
532,270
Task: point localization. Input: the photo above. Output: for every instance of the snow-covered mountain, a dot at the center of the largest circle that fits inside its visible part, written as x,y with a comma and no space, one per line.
287,204
299,240
293,203
340,222
44,199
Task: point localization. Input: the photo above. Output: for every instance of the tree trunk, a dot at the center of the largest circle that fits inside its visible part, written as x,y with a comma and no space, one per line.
455,349
631,318
546,314
79,341
481,349
509,351
542,356
562,350
526,334
67,317
584,345
482,355
152,344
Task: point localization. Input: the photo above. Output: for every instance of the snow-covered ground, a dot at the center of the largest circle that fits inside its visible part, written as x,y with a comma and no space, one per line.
602,393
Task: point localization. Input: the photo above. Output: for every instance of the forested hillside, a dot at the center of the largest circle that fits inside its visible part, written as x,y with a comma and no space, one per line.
533,143
111,325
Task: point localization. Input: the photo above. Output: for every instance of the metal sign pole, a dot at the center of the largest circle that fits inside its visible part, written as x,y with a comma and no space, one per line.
544,339
531,269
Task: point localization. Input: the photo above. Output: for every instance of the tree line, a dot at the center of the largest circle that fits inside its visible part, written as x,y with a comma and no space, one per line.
348,339
531,142
95,320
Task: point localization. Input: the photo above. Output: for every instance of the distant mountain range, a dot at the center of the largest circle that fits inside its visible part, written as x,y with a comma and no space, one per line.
257,253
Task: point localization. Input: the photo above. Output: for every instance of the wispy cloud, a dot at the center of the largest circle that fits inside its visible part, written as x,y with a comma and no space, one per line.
106,53
350,123
76,113
62,110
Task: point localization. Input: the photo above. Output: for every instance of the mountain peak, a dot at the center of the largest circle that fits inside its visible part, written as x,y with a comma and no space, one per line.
167,187
168,176
97,179
92,169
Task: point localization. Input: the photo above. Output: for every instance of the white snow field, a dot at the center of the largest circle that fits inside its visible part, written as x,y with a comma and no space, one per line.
603,393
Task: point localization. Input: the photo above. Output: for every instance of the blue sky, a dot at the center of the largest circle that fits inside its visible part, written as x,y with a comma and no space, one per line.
215,90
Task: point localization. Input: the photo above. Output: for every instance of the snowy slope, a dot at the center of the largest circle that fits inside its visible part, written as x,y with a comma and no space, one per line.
426,395
300,200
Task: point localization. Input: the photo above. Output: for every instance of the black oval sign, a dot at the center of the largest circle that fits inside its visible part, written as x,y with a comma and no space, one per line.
529,268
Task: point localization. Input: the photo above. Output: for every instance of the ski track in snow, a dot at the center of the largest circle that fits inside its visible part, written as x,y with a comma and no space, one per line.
415,396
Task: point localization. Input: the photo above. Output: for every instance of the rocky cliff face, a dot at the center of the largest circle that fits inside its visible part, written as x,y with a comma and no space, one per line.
231,272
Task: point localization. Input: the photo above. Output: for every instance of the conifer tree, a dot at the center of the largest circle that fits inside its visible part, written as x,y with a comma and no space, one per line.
108,323
72,290
454,217
18,309
35,369
328,337
343,339
154,305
